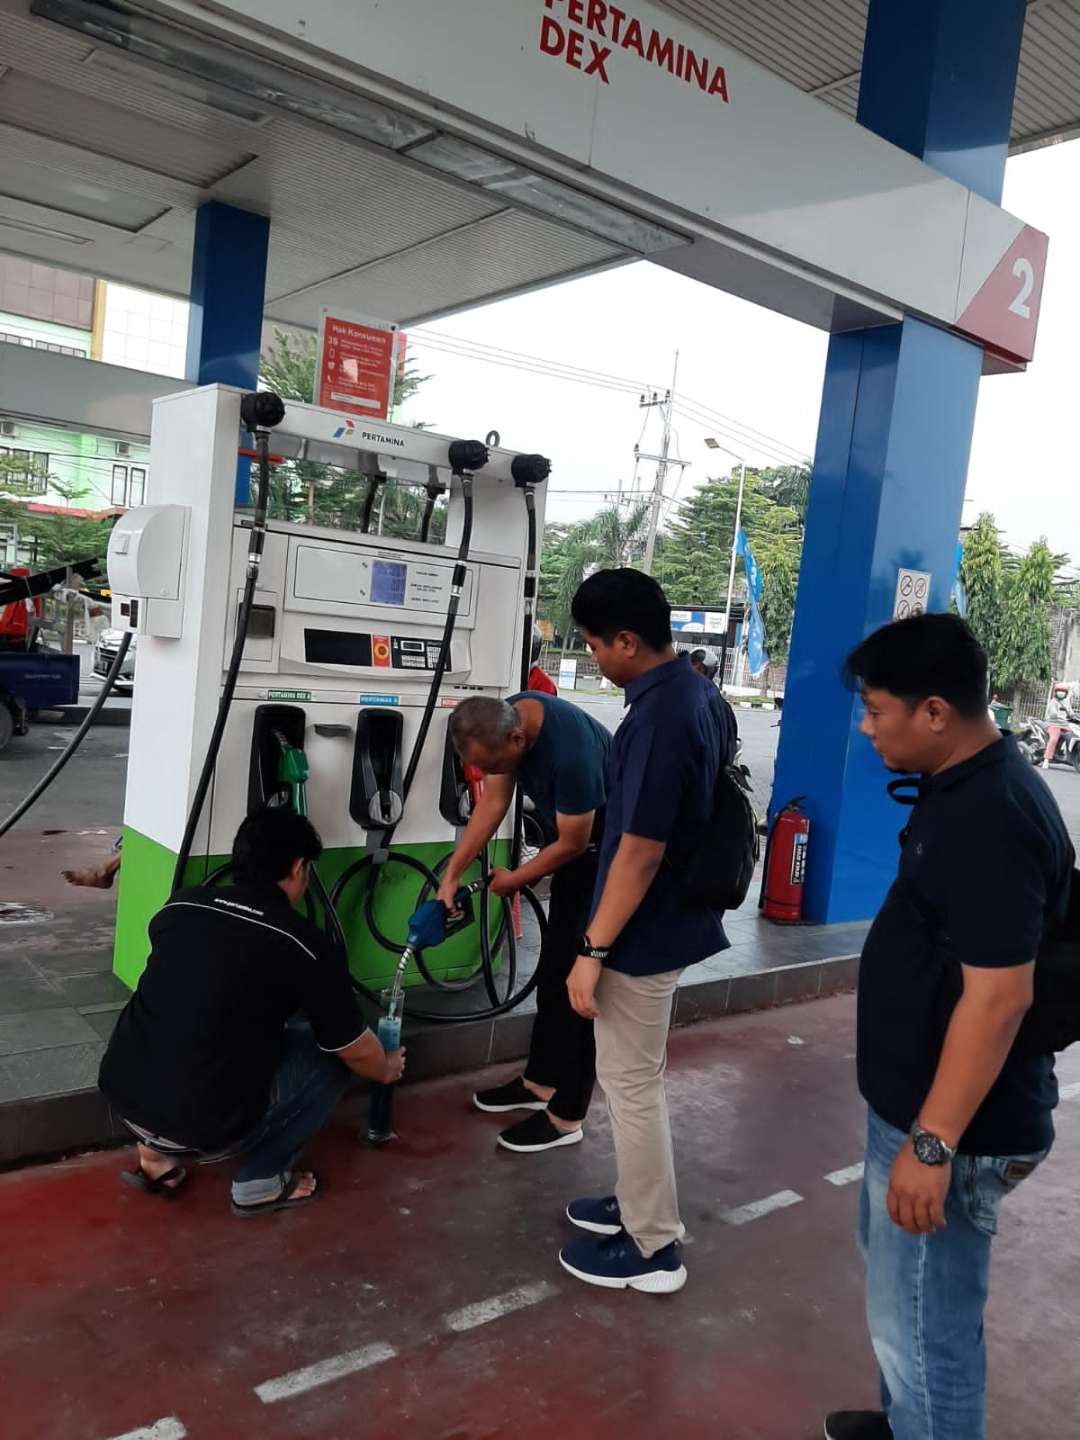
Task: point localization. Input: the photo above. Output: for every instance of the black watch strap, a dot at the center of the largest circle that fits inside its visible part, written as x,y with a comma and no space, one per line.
591,951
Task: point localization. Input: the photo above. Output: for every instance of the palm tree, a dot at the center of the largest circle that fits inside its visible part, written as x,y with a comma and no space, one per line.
607,541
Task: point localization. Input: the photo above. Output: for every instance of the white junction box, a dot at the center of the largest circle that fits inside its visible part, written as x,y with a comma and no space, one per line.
146,564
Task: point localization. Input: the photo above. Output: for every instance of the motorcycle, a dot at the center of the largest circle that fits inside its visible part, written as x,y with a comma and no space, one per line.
1035,737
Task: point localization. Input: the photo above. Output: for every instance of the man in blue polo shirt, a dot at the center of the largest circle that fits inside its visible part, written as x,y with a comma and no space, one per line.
643,930
960,1106
556,753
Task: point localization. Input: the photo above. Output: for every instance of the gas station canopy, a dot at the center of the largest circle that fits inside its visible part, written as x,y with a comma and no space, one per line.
818,46
117,122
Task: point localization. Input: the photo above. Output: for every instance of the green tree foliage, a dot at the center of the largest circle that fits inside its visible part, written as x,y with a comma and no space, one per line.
302,490
981,574
1023,639
613,538
696,557
52,539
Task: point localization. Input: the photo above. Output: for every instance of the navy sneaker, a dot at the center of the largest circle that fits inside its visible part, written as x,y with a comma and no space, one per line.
601,1217
858,1425
616,1262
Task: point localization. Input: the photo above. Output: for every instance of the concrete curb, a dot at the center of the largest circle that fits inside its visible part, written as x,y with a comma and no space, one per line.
76,714
43,1128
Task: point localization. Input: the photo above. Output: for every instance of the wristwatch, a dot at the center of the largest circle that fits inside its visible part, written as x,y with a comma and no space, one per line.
930,1149
591,951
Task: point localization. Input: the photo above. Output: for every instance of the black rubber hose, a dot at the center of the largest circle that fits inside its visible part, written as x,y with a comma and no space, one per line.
425,523
369,502
337,933
258,535
517,843
443,663
76,740
504,1007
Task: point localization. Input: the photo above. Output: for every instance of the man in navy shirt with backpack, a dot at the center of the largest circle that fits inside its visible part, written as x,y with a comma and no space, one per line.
959,1084
678,735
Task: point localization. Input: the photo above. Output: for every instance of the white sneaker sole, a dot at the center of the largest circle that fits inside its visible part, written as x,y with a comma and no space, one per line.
660,1282
506,1109
593,1227
571,1137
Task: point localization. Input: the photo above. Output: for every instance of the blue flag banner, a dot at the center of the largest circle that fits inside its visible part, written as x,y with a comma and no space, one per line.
755,629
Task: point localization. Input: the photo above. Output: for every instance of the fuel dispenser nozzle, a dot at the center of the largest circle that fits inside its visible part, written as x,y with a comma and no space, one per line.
430,924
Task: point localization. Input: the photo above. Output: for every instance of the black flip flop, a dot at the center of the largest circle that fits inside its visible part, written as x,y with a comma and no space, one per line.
283,1202
139,1180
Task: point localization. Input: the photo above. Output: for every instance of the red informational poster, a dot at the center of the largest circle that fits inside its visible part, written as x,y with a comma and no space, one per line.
358,361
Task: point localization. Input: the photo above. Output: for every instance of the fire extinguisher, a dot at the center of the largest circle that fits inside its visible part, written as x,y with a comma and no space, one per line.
785,865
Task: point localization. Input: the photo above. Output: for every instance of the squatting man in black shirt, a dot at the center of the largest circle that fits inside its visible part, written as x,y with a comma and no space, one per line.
209,1058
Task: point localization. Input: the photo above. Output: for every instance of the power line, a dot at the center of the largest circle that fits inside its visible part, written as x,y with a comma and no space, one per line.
695,410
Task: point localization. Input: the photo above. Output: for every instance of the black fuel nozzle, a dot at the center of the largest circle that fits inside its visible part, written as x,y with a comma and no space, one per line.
261,410
468,456
530,470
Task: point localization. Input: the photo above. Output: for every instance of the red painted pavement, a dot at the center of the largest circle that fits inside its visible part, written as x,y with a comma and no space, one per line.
117,1310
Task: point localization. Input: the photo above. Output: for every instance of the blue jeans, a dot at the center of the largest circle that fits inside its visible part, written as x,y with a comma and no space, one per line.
307,1086
925,1294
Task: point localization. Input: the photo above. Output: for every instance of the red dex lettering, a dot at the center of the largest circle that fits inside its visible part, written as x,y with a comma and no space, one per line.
623,30
554,40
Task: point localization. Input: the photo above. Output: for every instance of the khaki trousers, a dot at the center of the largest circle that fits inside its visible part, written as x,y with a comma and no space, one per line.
633,1020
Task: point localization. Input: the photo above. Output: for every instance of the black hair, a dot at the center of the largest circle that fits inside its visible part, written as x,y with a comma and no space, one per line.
483,720
926,655
614,600
269,843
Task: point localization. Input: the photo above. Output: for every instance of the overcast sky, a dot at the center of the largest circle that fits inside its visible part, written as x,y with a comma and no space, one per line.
761,370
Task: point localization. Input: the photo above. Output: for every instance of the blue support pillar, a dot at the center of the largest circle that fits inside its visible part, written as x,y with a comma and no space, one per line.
228,288
890,468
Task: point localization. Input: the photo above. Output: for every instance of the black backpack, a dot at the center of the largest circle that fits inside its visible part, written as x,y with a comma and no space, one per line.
715,870
1053,1022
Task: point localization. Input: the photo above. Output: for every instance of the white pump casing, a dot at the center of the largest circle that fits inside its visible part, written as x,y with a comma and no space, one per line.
329,633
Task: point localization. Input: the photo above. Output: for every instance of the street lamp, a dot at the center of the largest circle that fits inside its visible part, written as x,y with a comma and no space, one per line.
714,444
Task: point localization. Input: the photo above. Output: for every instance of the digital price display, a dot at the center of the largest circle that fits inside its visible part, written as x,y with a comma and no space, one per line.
388,581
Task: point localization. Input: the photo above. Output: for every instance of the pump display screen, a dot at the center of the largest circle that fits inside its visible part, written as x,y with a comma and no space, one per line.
388,581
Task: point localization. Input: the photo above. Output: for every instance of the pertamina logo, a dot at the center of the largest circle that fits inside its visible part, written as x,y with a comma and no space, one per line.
587,32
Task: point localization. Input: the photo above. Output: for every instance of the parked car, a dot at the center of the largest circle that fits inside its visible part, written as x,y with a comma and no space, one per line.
108,643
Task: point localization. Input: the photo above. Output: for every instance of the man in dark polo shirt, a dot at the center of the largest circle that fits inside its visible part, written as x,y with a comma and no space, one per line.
643,931
960,1113
204,1062
557,753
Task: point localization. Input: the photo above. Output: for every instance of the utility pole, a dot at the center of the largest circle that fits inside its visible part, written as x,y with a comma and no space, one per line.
663,460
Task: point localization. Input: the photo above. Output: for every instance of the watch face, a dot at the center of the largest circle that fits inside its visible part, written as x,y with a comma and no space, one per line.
929,1149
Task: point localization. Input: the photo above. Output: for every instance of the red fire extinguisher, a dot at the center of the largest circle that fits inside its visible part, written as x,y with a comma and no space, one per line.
785,865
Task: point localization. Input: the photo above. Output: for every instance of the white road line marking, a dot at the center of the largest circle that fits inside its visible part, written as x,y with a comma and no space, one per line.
168,1429
322,1373
743,1214
484,1311
1070,1092
848,1176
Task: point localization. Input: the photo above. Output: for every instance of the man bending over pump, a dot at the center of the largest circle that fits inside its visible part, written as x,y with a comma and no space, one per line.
208,1060
557,753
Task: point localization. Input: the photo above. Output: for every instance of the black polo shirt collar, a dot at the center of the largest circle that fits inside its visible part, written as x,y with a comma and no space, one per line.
642,684
995,754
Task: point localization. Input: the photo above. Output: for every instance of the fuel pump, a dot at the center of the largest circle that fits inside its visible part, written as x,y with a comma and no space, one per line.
260,638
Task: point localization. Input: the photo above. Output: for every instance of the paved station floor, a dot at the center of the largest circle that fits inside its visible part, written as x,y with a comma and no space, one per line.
421,1296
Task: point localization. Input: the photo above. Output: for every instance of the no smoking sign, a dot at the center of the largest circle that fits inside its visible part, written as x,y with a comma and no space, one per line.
912,593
